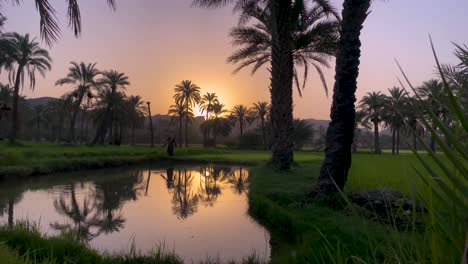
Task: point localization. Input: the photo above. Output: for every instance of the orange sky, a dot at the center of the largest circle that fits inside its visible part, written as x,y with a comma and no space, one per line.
160,43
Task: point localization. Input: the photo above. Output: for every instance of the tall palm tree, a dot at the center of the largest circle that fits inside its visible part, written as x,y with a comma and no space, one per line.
340,132
113,81
282,71
260,111
314,37
360,121
26,57
433,93
136,111
394,115
187,93
240,114
82,77
373,104
49,25
177,112
150,117
206,106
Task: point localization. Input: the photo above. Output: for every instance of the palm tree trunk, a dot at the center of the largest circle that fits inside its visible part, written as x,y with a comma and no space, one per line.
14,117
376,138
398,141
432,144
281,84
151,125
101,131
393,141
11,211
263,134
241,126
71,137
340,132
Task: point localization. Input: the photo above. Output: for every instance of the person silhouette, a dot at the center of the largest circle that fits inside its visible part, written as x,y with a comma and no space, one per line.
171,145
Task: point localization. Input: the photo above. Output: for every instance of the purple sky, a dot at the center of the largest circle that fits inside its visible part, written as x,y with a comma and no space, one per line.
159,43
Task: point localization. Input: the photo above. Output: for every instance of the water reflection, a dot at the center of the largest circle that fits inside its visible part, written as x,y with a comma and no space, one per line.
184,206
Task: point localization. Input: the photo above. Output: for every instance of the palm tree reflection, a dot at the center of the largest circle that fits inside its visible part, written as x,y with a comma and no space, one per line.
100,211
239,180
184,201
83,215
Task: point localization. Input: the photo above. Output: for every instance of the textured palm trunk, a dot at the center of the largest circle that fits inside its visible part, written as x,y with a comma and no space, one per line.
14,117
281,84
71,135
393,141
376,138
340,132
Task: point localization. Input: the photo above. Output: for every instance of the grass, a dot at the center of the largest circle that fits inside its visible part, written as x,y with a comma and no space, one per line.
301,232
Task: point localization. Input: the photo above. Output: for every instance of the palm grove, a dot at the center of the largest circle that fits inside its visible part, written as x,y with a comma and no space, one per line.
289,37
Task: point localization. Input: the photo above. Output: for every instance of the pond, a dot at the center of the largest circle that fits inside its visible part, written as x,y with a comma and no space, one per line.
197,211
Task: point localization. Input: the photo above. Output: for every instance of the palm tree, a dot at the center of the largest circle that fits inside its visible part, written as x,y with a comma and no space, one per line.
260,111
282,71
394,116
206,106
339,139
26,58
49,26
373,104
177,112
314,38
82,77
136,112
360,121
113,81
187,93
240,114
432,92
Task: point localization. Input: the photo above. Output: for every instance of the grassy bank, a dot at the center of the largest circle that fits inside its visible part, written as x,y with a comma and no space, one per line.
301,232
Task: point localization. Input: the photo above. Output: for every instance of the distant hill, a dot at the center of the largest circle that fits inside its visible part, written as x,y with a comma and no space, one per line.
33,102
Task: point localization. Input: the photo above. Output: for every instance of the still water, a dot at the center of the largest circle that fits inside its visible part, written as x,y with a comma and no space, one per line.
197,211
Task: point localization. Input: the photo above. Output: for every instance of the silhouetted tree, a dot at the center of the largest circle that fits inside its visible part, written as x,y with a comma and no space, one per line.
113,81
240,114
260,111
26,57
82,77
49,26
373,105
188,94
340,132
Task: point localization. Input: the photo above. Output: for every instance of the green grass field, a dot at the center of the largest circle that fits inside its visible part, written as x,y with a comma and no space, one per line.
301,233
